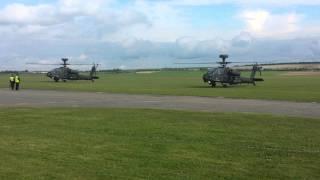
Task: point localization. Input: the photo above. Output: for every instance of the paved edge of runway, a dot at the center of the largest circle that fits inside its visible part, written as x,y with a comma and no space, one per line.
50,98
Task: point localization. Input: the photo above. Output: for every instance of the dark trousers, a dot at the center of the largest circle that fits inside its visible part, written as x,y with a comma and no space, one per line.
12,85
17,86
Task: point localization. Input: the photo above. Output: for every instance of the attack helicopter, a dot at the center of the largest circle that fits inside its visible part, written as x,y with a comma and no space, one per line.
64,73
228,76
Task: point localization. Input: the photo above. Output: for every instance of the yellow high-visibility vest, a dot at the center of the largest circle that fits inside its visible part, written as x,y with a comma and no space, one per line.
11,78
17,79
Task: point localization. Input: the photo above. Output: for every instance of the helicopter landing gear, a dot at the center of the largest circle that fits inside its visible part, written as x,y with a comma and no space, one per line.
64,80
213,84
224,85
56,79
254,83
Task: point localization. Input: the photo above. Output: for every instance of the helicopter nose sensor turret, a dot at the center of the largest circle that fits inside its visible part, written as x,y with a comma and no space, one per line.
49,74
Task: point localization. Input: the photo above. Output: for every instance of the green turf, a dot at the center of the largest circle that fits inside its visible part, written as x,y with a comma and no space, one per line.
276,85
155,144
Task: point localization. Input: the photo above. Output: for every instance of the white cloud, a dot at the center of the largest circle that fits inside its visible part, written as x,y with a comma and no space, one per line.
256,20
21,14
244,39
81,6
164,23
244,2
83,57
262,23
68,19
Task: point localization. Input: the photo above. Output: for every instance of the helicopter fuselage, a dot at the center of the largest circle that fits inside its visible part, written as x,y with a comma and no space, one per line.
222,75
225,75
65,73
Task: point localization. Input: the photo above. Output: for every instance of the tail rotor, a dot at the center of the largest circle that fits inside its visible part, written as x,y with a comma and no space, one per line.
93,73
256,68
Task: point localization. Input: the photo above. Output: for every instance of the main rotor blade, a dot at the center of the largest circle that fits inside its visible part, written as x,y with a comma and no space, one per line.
42,64
80,64
237,62
219,62
84,64
197,63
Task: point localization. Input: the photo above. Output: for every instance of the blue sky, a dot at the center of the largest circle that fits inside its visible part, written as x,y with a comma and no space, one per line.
156,33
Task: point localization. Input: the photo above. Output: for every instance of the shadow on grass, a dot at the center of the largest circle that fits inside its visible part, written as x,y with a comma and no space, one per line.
217,87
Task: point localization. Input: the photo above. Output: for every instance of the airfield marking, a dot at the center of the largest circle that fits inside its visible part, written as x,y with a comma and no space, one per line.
44,98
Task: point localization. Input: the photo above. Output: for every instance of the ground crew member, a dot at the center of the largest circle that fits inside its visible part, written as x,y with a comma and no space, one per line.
17,81
12,81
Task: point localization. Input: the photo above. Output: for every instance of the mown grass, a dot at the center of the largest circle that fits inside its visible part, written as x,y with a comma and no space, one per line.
73,143
276,85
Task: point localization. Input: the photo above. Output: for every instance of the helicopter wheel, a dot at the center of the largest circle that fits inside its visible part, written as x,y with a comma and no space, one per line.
224,85
56,79
64,80
213,84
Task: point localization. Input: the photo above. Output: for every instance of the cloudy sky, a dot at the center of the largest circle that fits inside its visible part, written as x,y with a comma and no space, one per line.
156,33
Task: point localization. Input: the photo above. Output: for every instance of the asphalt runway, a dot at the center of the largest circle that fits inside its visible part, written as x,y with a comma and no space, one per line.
44,98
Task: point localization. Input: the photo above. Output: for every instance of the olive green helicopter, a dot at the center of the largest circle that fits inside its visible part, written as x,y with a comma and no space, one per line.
64,73
228,76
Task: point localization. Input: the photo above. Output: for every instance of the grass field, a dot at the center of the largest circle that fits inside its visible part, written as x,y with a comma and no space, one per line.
155,144
276,85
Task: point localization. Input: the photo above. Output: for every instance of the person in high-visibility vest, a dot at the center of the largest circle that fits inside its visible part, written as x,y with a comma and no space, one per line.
12,81
17,81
